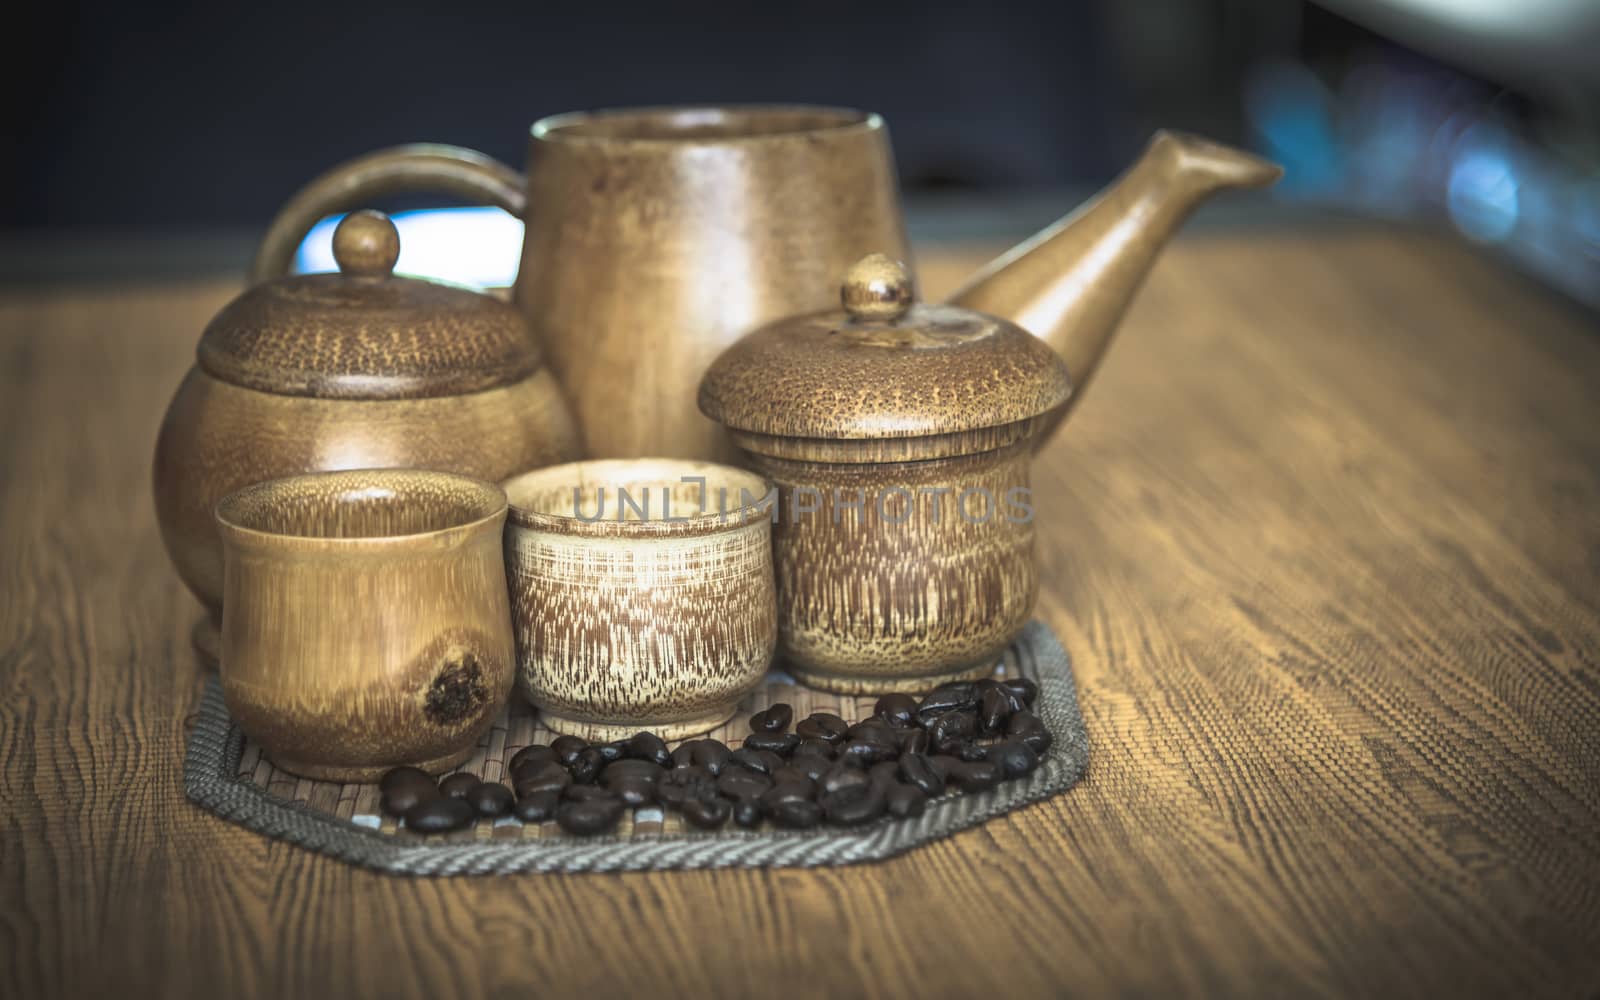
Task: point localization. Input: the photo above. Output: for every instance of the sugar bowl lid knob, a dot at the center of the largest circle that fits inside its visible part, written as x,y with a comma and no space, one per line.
366,245
877,287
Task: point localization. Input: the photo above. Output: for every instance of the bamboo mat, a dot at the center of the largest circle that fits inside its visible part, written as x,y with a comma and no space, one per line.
228,774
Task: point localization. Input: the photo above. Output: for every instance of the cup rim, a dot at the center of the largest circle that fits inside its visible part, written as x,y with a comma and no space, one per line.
618,469
226,511
566,128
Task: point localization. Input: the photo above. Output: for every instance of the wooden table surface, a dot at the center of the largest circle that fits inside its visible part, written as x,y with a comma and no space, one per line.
1324,540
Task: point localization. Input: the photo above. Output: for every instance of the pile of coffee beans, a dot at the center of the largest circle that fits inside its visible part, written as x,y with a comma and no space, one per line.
963,736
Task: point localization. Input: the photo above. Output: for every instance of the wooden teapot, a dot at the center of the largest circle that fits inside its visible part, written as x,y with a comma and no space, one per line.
354,370
639,221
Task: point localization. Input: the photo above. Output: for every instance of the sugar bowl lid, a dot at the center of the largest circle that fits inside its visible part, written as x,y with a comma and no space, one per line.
883,367
365,334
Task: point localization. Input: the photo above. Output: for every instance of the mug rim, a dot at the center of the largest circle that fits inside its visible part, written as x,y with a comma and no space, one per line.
564,128
569,474
226,511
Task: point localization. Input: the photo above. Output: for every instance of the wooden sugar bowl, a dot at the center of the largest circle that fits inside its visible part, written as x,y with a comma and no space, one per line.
354,370
899,437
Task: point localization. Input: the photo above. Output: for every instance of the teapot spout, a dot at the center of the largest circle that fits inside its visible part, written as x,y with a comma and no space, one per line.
1071,283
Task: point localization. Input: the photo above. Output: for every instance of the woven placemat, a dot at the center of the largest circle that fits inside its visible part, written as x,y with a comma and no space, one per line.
226,774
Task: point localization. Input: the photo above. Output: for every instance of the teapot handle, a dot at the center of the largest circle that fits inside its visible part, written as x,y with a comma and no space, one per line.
355,183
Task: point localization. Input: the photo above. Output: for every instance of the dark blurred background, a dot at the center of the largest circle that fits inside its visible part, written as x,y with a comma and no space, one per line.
193,122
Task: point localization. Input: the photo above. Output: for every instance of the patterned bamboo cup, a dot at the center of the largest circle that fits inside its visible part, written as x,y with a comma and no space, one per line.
642,593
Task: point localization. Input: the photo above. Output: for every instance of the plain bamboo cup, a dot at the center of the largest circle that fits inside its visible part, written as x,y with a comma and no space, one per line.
365,619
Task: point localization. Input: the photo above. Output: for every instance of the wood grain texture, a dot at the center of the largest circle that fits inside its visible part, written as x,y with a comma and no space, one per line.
1322,541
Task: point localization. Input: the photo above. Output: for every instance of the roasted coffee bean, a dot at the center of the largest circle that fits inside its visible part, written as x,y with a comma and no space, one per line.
440,815
1014,758
977,776
683,783
551,777
823,726
951,729
797,814
713,755
811,767
763,761
687,775
841,776
407,797
944,764
1038,739
406,777
782,744
531,766
917,769
742,783
581,793
789,774
490,798
567,748
538,807
994,709
537,752
683,754
707,814
590,816
1027,728
623,770
634,791
586,767
904,801
1020,721
747,812
969,750
650,747
854,806
774,720
955,697
916,741
613,751
821,749
1023,688
1014,702
1018,702
873,731
884,772
897,709
867,752
783,793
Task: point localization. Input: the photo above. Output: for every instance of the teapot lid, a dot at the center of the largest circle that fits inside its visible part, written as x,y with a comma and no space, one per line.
883,367
365,334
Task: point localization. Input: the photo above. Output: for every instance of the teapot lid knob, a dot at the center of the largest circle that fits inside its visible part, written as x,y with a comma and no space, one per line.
366,245
877,287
